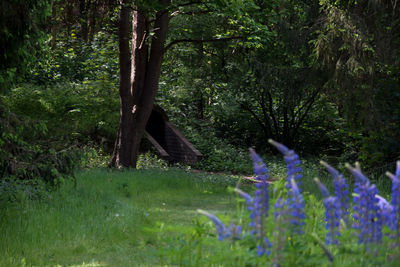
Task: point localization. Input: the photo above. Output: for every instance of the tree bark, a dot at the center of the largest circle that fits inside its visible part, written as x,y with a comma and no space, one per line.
84,7
140,69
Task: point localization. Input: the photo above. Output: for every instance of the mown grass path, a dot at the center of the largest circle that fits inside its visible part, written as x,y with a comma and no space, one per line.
110,219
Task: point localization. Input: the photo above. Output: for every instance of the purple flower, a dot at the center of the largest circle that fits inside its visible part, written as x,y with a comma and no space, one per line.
263,249
332,219
279,208
367,214
332,214
324,191
260,170
341,191
295,204
260,203
385,209
295,201
261,200
223,232
358,175
395,212
247,197
292,163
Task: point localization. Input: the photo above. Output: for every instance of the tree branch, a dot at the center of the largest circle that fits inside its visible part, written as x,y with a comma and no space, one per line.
254,115
176,12
310,102
264,111
188,4
201,41
191,13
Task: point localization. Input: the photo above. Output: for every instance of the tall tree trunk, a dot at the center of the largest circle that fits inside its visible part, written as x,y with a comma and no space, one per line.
139,77
84,6
121,154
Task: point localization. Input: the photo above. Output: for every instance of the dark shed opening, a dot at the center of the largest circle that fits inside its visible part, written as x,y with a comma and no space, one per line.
169,142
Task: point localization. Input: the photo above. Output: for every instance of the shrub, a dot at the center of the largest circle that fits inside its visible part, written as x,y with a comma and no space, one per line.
93,158
218,155
15,190
149,160
26,153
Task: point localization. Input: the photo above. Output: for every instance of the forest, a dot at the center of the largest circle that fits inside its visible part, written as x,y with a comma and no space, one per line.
80,79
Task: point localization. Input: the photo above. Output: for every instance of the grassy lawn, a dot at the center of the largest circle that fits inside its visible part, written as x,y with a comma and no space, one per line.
149,218
110,219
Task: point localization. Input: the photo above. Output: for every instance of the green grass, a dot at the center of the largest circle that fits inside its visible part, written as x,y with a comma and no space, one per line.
149,218
110,219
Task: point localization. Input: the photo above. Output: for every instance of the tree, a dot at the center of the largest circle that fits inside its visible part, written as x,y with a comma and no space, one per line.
139,75
21,24
85,17
357,44
140,64
274,81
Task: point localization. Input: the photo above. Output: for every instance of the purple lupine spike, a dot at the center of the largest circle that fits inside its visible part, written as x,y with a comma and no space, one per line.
341,191
390,175
385,209
260,203
295,201
367,214
370,219
324,191
398,169
247,197
332,219
295,204
222,231
295,188
358,175
261,199
292,163
260,170
282,148
332,214
279,208
395,212
383,204
332,171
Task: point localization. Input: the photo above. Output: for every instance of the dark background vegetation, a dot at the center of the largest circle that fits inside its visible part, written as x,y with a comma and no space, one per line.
322,77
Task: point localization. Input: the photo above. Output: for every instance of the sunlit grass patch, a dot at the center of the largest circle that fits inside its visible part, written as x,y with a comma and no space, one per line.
108,219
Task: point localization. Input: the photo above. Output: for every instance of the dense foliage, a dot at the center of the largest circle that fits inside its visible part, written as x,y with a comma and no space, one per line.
319,76
21,38
27,153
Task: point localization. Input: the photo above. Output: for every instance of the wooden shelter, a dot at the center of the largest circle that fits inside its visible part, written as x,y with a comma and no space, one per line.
169,142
